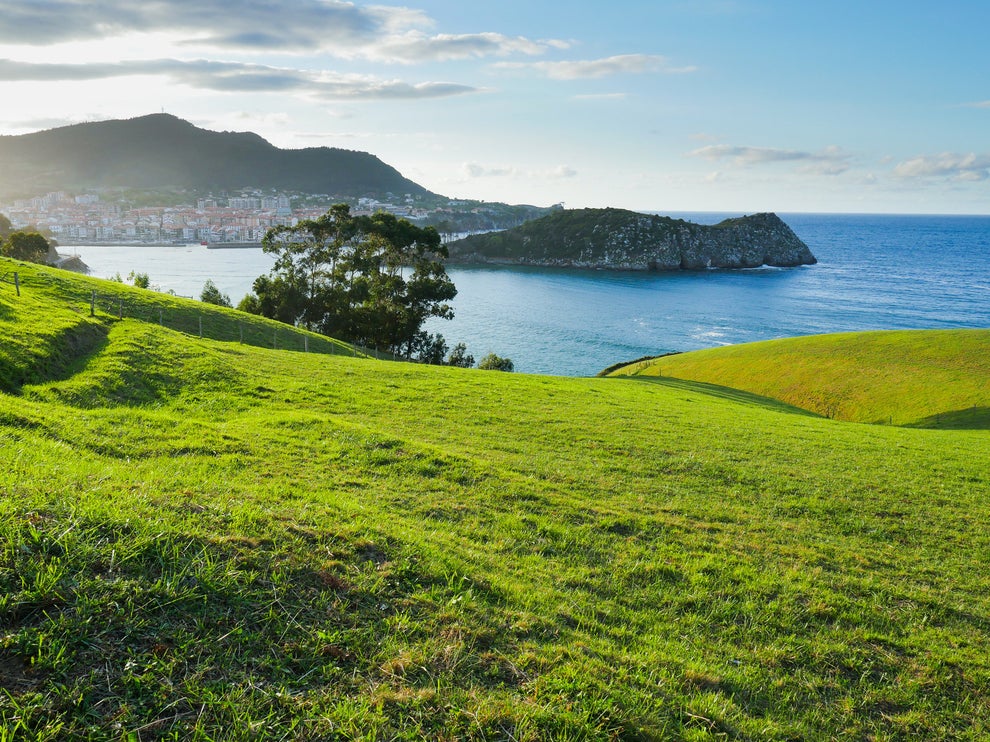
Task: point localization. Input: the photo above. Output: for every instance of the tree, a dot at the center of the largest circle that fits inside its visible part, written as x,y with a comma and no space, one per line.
431,348
212,295
140,280
5,227
459,357
29,246
370,280
492,362
249,304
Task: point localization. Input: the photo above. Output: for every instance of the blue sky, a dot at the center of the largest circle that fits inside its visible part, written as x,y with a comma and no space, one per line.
667,105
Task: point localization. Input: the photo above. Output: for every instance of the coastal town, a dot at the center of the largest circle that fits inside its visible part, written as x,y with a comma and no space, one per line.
221,219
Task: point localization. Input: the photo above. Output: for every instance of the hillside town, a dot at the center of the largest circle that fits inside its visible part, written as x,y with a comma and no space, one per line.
89,218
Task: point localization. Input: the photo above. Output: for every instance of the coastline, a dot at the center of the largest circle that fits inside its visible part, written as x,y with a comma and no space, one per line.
126,243
185,243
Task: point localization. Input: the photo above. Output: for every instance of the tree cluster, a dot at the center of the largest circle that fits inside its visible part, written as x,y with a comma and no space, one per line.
22,245
369,280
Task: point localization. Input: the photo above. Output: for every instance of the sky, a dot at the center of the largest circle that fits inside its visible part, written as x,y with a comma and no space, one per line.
653,105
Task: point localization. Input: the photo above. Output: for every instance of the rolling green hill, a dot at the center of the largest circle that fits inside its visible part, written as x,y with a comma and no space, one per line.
924,378
205,539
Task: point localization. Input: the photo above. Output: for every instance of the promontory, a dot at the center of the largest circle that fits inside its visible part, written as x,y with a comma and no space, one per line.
627,240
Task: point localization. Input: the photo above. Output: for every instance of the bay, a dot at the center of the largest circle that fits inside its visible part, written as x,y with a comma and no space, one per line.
874,272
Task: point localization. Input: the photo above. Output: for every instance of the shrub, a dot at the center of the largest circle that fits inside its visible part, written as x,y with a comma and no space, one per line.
492,362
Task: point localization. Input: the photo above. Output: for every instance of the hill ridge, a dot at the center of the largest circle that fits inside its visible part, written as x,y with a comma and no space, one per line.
161,150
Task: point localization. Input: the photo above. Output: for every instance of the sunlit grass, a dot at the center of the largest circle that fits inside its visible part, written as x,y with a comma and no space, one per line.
207,540
925,378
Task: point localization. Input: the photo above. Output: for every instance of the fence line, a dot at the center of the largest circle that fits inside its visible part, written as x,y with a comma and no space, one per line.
213,325
16,281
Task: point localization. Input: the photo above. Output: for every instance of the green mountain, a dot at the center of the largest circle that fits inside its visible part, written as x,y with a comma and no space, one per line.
205,539
629,240
162,151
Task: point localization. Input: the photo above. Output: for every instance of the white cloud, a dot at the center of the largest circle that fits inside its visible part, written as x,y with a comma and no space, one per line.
475,170
342,29
963,167
596,68
830,161
236,77
415,46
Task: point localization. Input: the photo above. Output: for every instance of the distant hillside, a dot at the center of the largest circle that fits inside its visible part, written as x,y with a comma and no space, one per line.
161,151
921,378
628,240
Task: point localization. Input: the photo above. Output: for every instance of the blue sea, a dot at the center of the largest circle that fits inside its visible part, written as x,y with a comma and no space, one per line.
874,272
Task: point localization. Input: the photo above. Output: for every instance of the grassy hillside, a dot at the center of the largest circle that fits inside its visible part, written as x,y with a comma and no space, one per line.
924,378
209,540
61,318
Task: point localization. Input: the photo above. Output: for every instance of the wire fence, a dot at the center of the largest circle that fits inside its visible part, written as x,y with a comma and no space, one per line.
205,321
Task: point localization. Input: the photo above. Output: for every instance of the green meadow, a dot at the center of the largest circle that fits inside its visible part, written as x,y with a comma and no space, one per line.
923,378
212,539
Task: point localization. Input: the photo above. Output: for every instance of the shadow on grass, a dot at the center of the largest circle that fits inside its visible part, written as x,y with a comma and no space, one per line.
972,418
63,356
723,392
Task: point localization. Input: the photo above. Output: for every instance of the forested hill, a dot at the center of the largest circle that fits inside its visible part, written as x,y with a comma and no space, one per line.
161,150
628,240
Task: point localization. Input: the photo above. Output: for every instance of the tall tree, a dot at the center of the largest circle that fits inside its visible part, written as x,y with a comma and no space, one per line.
371,280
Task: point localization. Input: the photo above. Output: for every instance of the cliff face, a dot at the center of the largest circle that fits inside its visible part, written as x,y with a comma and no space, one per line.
627,240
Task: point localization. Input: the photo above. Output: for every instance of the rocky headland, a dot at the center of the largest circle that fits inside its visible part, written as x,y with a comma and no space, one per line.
626,240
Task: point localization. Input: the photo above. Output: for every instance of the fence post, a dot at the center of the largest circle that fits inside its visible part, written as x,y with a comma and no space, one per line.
17,283
240,328
160,319
275,339
120,309
306,343
92,304
201,327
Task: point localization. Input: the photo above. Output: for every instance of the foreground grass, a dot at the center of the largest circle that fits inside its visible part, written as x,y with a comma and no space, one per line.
923,378
204,540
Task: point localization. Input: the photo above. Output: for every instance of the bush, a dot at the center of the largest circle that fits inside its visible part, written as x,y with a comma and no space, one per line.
212,295
141,280
459,357
249,304
28,246
492,362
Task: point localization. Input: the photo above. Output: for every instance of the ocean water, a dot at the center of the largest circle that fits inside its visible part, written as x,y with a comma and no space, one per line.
874,272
